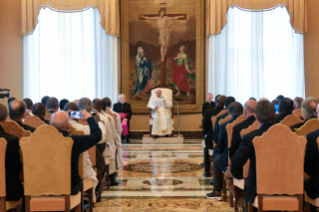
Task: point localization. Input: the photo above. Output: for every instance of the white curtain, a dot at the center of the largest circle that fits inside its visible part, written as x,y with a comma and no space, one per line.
70,56
256,55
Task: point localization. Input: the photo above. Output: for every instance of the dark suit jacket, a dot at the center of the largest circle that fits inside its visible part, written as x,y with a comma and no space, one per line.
216,127
293,127
25,127
312,165
208,126
117,107
244,152
45,121
281,117
206,107
14,188
81,144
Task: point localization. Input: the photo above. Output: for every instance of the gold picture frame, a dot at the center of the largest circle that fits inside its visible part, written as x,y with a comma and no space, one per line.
132,12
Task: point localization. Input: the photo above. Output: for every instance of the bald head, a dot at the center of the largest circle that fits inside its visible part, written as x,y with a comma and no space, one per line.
220,102
17,110
98,104
249,108
60,120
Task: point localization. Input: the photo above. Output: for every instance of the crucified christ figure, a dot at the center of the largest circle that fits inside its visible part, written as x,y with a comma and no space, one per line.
163,28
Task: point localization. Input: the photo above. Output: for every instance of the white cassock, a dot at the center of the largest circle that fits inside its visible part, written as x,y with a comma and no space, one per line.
162,117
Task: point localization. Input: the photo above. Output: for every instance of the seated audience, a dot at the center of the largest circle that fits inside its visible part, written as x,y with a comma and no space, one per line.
208,130
208,104
39,110
60,120
162,124
62,103
44,100
265,115
28,102
13,166
234,109
311,166
297,102
286,106
124,110
17,111
308,109
52,105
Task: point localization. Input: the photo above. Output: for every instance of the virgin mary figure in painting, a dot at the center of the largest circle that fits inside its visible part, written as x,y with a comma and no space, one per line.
180,65
144,73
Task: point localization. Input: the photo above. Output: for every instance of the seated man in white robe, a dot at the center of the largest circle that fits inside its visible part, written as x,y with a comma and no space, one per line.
161,114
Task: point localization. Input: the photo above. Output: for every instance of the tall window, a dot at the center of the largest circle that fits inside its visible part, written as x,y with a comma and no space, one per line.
70,56
257,54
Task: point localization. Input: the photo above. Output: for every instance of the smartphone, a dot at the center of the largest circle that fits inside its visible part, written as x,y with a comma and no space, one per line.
76,115
277,108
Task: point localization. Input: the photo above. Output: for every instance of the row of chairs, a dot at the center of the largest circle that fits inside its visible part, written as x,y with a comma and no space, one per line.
40,176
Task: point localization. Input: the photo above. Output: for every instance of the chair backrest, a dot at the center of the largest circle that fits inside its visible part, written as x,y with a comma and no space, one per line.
222,121
47,162
27,114
252,127
229,129
280,155
298,112
13,128
166,92
33,121
73,131
310,126
291,120
48,116
219,114
3,147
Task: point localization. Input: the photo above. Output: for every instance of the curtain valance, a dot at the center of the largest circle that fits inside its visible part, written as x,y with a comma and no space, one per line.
217,11
109,11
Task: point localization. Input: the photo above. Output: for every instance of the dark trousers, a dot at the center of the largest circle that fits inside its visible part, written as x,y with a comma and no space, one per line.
218,178
206,159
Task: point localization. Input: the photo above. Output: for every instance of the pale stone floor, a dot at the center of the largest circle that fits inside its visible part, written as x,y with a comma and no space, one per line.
163,177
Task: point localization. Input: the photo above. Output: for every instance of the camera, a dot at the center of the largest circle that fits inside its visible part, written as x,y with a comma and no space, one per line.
4,95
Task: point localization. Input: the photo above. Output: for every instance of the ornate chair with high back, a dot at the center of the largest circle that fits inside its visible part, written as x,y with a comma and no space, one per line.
168,93
310,126
48,151
33,121
279,187
5,205
298,112
291,120
13,128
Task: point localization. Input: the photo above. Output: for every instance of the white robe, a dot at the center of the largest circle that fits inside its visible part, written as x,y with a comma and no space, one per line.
162,117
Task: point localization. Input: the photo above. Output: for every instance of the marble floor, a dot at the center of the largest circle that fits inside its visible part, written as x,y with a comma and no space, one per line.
164,177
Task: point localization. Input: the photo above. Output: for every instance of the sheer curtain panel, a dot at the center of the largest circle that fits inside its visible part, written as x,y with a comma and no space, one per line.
70,56
256,55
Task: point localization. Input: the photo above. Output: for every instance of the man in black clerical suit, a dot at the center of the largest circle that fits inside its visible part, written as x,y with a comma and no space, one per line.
286,106
235,109
122,107
13,166
17,111
39,109
265,115
208,128
52,105
81,142
208,104
308,109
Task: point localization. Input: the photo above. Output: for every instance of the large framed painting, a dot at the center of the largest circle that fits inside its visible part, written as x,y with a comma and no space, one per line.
163,46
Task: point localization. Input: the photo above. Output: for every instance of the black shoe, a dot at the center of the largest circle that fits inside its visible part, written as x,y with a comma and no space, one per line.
206,174
114,182
155,136
211,182
215,195
202,165
166,135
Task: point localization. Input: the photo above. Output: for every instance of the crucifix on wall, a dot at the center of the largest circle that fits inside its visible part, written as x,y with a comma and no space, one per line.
162,19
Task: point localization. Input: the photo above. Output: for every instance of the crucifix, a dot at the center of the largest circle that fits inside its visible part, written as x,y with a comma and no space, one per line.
162,19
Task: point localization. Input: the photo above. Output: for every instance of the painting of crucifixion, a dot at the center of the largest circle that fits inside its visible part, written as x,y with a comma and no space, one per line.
162,49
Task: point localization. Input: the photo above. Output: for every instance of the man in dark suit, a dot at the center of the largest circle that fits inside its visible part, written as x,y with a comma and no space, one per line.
235,109
265,115
13,166
17,113
286,106
44,100
122,108
208,128
311,165
52,105
38,109
60,120
308,108
208,104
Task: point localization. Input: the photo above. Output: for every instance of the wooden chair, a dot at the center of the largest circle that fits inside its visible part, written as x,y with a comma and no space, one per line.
308,200
33,121
298,112
279,187
5,205
48,116
27,114
13,128
47,171
291,120
222,112
310,126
